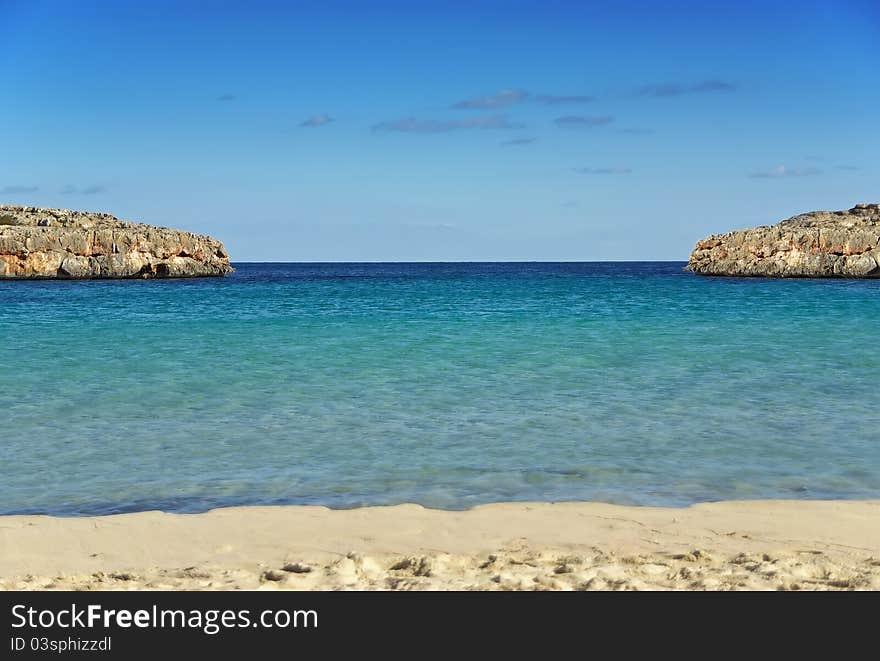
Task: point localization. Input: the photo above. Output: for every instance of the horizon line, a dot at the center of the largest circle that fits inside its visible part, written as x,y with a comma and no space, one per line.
471,261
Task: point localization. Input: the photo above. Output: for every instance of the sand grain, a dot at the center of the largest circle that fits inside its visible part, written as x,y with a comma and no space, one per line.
794,545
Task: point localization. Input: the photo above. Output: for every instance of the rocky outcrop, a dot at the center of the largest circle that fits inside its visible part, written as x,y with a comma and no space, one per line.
59,243
821,244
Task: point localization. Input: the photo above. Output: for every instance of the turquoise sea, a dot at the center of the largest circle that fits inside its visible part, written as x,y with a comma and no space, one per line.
441,384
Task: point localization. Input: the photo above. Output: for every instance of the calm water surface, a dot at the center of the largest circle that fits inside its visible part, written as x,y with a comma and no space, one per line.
441,384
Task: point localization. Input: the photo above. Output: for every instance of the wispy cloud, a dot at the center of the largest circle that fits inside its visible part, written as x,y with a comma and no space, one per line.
15,190
502,99
317,120
554,100
415,125
227,97
665,90
849,168
713,85
569,205
603,170
518,142
581,121
781,171
94,189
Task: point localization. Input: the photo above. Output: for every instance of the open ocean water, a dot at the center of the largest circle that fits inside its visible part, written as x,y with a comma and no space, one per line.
447,385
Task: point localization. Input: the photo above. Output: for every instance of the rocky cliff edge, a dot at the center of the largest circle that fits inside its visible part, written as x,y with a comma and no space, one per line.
60,243
821,244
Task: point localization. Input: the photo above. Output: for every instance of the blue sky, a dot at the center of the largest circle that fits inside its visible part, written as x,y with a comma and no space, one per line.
331,131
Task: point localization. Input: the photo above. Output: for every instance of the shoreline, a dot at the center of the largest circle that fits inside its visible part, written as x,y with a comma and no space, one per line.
770,544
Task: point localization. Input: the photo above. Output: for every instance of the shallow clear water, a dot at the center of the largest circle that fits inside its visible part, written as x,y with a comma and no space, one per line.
442,384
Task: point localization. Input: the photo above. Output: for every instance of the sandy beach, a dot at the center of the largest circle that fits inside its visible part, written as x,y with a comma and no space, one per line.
796,545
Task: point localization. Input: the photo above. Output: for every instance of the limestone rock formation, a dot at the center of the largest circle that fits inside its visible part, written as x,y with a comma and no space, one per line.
821,244
59,243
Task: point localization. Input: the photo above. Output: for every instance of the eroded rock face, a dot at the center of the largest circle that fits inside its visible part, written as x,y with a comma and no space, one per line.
59,243
821,244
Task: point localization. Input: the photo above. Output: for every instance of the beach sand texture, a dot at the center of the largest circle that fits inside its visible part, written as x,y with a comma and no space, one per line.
797,545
